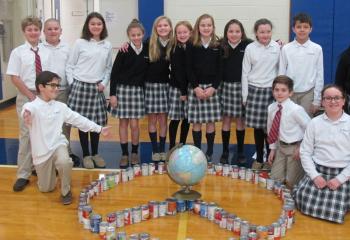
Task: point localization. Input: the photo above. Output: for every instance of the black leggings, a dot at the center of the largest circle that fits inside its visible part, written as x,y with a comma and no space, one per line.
84,142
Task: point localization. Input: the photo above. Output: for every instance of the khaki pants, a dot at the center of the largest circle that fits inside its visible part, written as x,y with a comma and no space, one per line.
305,100
63,97
284,167
24,158
46,171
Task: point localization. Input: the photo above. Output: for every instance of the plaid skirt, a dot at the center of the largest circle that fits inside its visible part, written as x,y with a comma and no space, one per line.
85,99
177,108
256,107
156,97
131,102
231,99
323,203
203,111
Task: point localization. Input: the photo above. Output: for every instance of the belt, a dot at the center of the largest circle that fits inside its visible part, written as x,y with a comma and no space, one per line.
289,144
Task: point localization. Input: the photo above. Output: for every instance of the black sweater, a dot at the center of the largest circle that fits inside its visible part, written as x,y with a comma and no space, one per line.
203,65
342,76
129,69
158,72
232,64
178,77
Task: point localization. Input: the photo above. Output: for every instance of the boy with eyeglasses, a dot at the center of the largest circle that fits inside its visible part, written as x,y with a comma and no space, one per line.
44,118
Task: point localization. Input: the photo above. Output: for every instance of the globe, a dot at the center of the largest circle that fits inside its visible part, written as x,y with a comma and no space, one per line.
187,165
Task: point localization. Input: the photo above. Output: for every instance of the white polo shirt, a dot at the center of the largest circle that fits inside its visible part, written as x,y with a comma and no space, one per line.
22,63
303,63
90,61
327,143
58,60
260,66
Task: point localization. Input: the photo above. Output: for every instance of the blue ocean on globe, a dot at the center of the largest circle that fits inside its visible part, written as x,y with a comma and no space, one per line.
187,165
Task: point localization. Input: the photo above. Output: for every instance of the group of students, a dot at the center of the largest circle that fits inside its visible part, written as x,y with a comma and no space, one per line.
193,77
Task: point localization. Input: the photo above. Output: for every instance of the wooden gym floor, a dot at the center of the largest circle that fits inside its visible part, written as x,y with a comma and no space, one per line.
34,215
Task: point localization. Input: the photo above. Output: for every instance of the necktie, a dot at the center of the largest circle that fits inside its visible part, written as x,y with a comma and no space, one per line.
38,69
275,128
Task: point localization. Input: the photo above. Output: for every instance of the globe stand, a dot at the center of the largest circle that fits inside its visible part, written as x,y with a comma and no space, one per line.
187,194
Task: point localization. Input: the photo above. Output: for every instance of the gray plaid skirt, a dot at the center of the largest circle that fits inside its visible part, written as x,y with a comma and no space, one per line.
156,97
203,111
325,203
131,102
85,99
256,107
231,99
177,108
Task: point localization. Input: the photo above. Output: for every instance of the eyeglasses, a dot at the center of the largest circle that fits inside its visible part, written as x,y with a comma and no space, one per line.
330,99
53,85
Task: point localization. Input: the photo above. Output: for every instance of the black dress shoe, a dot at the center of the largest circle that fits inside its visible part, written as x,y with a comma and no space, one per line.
75,159
34,173
224,158
20,184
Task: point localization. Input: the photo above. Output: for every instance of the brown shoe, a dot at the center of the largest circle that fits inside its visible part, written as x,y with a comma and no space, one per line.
256,165
135,158
156,157
88,163
99,161
163,156
266,166
124,161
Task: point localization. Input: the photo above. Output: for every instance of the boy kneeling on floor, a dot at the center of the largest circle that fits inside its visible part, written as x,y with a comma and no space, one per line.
44,117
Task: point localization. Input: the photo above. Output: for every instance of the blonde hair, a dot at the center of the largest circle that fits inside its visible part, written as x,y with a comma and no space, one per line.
154,49
197,36
188,25
31,20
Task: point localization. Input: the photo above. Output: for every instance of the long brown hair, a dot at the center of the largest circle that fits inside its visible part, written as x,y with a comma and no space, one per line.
197,36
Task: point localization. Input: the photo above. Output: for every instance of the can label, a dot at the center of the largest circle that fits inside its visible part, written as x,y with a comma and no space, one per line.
153,209
211,211
136,215
145,212
162,209
111,219
127,216
180,206
103,230
151,169
218,169
119,219
124,176
160,168
235,172
137,170
270,183
95,223
171,207
237,225
218,215
197,207
223,222
144,169
225,170
241,173
204,210
249,175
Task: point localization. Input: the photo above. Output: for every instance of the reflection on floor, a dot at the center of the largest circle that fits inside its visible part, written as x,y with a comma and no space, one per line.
111,152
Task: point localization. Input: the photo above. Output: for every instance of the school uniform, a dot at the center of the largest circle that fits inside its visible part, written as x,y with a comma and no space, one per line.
231,86
325,152
49,145
127,82
203,69
178,84
303,63
89,63
22,65
58,62
260,67
293,123
157,82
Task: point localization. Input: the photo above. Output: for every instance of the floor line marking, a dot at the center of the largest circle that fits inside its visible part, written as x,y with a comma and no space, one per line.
182,229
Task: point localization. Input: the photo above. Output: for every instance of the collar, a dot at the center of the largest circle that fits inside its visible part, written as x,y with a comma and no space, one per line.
205,45
46,44
233,46
343,118
305,45
163,42
28,45
270,44
137,51
41,101
97,42
285,102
